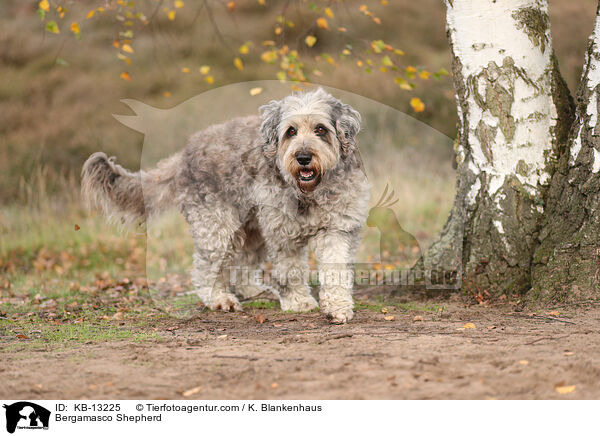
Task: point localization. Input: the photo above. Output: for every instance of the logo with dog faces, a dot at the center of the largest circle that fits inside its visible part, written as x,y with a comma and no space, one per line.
25,415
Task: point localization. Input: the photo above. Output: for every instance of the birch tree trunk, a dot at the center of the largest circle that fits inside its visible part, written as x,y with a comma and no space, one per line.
514,115
567,261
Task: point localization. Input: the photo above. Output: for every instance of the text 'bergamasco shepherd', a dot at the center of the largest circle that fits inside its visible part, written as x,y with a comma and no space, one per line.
255,189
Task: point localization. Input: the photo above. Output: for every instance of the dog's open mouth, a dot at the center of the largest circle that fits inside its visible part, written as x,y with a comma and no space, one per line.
306,175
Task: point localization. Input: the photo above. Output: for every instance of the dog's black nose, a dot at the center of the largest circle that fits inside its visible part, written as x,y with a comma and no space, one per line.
304,158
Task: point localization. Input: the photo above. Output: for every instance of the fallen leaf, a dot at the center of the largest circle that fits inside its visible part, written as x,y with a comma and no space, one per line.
260,318
222,337
418,318
255,91
384,310
553,313
524,362
20,336
569,353
469,325
274,386
77,227
565,389
192,391
389,317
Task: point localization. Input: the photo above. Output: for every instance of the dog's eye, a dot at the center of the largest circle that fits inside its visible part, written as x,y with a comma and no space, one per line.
291,132
321,130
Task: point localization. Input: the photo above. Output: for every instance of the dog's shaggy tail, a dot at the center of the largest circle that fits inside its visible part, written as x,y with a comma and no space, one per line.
125,195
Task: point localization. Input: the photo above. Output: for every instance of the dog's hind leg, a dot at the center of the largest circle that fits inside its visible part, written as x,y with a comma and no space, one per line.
215,230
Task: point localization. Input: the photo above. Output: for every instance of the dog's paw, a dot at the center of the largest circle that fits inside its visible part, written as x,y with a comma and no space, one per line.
298,303
225,303
340,316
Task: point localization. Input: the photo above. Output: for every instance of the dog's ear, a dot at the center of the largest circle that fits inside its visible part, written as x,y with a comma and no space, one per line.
347,126
271,117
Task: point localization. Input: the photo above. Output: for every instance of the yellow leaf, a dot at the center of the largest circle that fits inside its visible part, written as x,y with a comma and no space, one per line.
424,75
185,70
204,69
125,75
178,4
167,94
44,5
384,2
329,12
262,2
322,23
389,317
310,40
75,28
171,15
377,20
359,63
281,76
116,44
387,61
244,49
52,27
237,62
278,30
269,56
231,6
468,325
192,391
209,79
363,8
255,91
127,48
565,389
411,69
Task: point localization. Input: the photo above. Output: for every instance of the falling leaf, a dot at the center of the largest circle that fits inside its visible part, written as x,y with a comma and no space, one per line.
125,75
204,69
310,40
255,91
52,27
328,12
389,317
322,23
178,4
419,106
418,318
44,6
209,79
231,6
77,227
237,62
192,391
468,325
171,15
565,389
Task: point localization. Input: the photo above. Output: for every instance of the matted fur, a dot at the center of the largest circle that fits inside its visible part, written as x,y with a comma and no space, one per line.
246,198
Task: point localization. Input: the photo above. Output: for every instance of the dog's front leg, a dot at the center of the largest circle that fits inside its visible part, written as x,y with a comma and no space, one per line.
334,251
290,271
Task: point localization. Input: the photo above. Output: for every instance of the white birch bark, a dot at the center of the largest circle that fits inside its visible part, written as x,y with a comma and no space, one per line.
506,81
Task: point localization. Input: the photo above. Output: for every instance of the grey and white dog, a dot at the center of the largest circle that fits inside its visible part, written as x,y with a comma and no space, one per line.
255,189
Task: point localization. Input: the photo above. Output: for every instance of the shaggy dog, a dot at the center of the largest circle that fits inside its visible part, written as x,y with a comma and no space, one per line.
254,189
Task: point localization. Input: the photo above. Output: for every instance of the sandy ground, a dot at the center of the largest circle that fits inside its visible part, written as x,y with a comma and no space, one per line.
267,354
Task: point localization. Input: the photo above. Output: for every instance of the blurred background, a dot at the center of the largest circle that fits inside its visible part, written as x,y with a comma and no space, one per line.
58,91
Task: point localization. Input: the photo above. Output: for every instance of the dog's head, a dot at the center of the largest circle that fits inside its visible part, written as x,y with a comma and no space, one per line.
308,134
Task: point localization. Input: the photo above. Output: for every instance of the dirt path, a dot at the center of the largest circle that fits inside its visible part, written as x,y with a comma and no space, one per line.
232,356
